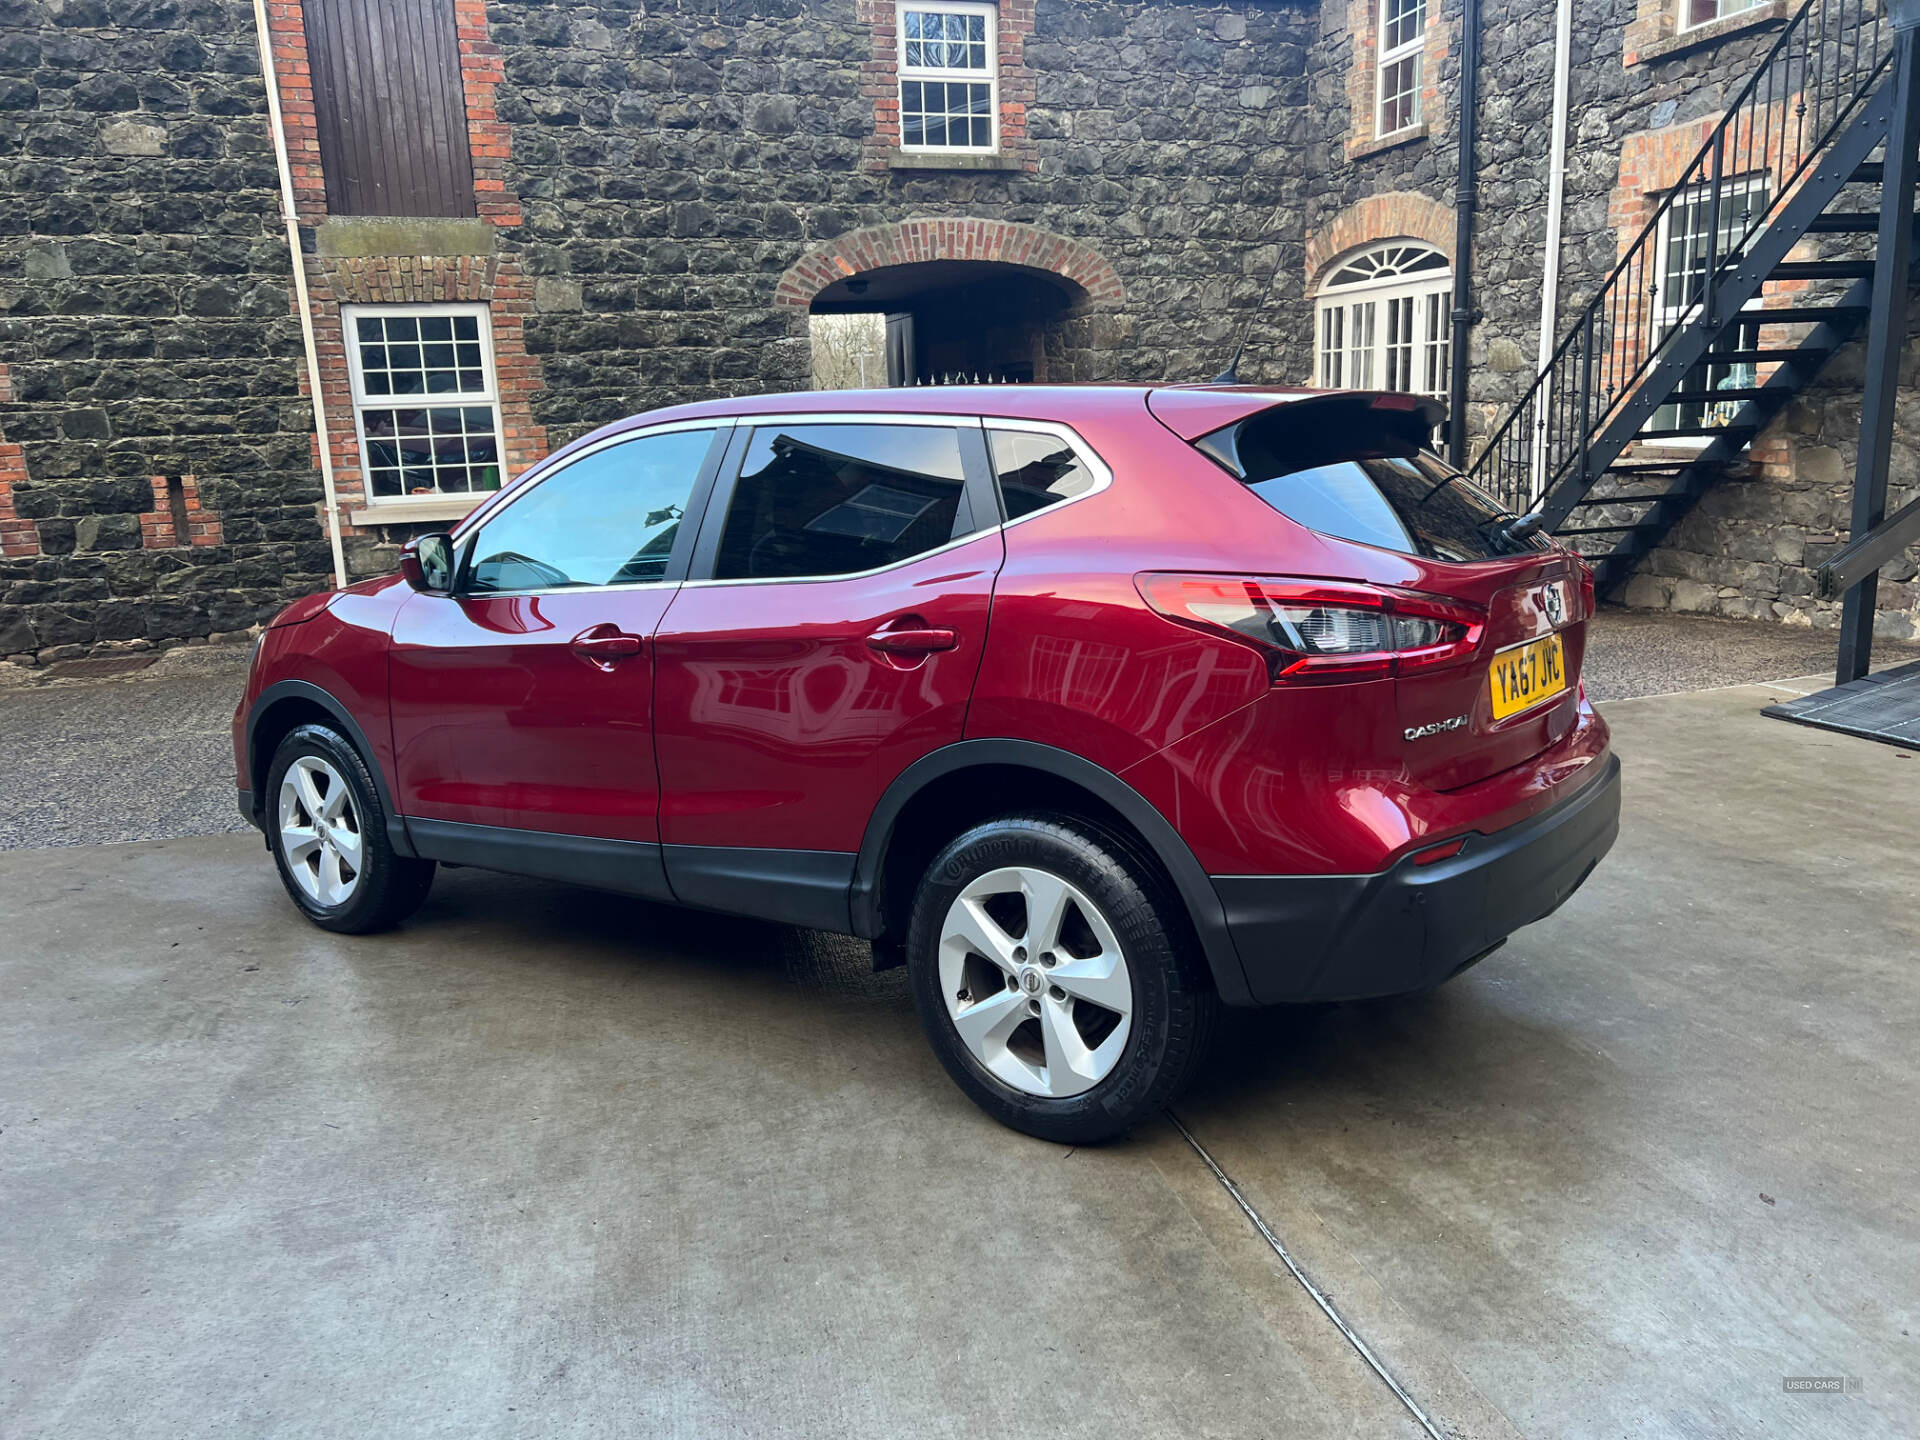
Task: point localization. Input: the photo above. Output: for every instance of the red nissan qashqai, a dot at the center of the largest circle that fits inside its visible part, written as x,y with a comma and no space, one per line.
1096,708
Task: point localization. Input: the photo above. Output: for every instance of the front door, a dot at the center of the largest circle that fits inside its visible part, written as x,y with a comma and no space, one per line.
829,636
525,699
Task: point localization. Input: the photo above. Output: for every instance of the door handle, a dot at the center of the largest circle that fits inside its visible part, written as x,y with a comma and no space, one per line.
606,645
917,641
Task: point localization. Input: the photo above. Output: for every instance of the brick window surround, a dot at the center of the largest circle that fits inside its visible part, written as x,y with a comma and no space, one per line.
1654,32
489,278
1363,78
880,82
1393,215
1651,164
909,242
18,537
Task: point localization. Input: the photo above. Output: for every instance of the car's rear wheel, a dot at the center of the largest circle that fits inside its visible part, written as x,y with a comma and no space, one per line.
1051,970
328,832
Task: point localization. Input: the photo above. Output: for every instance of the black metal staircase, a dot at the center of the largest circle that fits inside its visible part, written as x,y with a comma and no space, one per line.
1753,270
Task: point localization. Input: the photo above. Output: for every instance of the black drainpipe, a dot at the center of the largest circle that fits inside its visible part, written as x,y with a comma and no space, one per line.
1463,232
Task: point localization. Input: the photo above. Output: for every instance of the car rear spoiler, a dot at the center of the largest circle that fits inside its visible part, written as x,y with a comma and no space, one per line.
1193,411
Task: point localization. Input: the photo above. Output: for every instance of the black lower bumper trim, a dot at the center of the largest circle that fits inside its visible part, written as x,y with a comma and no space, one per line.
1349,937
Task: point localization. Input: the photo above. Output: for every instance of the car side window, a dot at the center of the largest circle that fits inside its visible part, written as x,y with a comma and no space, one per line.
1035,470
609,518
822,500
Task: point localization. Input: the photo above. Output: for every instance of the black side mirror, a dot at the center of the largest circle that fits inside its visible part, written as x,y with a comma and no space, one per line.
426,561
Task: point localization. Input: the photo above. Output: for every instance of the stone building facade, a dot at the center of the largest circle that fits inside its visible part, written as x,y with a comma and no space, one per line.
665,194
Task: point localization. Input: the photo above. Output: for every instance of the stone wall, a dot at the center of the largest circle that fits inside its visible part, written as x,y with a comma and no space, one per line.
148,353
675,161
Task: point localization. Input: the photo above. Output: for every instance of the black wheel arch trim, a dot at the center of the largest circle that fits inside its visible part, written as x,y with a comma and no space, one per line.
306,690
1190,880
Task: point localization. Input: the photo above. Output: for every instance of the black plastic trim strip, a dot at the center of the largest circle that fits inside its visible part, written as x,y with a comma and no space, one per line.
794,887
628,867
1196,890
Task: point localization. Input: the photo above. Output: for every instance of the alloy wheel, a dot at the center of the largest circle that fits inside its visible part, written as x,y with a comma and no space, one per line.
1035,981
320,833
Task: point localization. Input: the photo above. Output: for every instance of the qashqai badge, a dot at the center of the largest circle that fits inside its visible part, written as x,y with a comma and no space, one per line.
1436,727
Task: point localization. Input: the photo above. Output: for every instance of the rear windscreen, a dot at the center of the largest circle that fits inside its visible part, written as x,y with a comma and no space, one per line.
1348,470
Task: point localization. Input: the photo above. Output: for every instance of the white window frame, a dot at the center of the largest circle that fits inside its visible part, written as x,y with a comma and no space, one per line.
444,504
916,73
1665,314
1722,9
1370,334
1413,49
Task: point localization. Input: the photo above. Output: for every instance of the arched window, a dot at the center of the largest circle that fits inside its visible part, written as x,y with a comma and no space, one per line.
1383,316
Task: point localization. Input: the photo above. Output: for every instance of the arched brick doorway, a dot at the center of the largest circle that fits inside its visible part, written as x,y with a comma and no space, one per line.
949,300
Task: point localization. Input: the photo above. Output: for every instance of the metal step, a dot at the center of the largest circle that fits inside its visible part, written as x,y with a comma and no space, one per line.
1707,397
1849,222
1869,172
1646,467
1594,502
1697,432
1800,355
1802,314
1822,270
1612,529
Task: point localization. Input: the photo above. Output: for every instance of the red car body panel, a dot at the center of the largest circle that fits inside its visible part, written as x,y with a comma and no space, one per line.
337,643
497,721
780,725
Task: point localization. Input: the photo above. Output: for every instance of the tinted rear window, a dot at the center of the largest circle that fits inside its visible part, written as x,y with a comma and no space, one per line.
1347,470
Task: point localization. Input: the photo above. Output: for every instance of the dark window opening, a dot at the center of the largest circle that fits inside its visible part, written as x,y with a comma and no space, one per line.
955,322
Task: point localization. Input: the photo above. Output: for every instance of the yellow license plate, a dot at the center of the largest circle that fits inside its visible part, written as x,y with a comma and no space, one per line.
1526,675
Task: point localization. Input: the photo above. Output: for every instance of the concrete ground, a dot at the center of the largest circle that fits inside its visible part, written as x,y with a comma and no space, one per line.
546,1162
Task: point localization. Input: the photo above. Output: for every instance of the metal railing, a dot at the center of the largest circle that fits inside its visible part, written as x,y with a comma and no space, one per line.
1824,63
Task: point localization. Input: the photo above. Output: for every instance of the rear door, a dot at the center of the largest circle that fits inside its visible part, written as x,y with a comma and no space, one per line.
525,699
828,636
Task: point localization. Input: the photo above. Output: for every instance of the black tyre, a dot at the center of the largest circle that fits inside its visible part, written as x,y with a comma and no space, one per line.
328,833
1055,976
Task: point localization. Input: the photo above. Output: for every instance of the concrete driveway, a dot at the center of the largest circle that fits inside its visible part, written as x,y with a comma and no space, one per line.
553,1163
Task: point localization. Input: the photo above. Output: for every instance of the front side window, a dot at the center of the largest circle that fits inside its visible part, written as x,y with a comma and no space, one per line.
1384,319
948,77
424,399
1403,28
608,518
822,500
1035,470
1695,13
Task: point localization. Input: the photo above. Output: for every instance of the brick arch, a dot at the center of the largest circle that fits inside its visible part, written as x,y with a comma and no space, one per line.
911,241
1396,215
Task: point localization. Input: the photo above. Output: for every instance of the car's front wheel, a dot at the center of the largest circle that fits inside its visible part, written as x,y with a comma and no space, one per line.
328,832
1050,971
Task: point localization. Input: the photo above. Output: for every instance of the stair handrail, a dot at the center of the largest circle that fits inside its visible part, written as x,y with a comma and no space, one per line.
1550,427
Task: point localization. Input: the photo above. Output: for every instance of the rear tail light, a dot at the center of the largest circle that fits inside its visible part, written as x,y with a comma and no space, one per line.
1320,630
1589,604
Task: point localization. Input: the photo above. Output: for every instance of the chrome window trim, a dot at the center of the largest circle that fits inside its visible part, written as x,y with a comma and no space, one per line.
478,520
1096,467
1101,472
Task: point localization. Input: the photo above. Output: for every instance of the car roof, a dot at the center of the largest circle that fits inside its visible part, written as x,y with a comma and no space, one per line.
1188,410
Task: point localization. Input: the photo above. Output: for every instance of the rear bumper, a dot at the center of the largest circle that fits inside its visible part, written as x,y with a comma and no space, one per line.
1348,937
